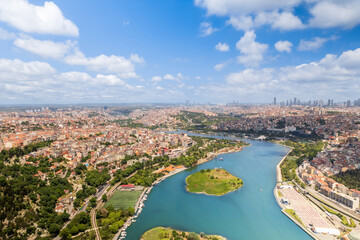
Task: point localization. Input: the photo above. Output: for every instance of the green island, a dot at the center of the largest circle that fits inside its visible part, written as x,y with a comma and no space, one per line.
161,233
213,182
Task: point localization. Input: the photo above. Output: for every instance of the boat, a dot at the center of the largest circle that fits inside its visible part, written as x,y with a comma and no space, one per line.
260,189
221,159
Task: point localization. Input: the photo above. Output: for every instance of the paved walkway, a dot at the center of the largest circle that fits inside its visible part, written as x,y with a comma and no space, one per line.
306,212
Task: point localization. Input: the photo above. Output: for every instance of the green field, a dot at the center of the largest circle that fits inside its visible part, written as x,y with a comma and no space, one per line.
123,199
213,182
161,233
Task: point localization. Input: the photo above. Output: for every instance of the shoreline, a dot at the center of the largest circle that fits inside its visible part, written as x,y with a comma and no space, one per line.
278,168
277,198
143,196
178,230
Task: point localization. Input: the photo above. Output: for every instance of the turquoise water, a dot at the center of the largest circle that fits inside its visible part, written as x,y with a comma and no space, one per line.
244,214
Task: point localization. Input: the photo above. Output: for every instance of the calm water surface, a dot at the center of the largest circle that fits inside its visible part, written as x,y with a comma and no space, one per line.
247,213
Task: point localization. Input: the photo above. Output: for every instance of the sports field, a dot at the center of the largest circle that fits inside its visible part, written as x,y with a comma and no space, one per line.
123,199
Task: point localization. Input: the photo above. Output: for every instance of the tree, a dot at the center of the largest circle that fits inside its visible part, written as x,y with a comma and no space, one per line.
54,229
193,236
92,202
104,198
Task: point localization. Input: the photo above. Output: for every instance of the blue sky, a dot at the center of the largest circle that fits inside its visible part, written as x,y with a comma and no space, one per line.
176,50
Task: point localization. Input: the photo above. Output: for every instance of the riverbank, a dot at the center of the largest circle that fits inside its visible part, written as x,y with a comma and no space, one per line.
121,234
277,197
278,167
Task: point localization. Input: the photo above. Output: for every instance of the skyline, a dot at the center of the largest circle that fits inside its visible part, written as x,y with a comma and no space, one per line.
169,52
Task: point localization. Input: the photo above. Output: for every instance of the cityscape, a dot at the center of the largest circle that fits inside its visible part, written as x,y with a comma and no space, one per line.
179,120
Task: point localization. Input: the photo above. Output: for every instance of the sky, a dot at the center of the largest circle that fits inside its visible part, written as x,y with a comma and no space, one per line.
173,51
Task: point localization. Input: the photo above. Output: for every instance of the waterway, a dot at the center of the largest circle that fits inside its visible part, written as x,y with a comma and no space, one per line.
247,213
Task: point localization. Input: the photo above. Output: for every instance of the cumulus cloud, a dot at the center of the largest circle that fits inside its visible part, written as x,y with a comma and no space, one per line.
283,46
236,7
135,58
206,29
279,20
38,82
5,35
119,65
308,45
247,14
45,48
279,14
27,17
220,66
222,47
335,13
252,51
156,79
244,23
169,77
17,70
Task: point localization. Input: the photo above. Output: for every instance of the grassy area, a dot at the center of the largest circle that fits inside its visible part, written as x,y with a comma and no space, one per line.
161,233
213,182
343,219
123,199
294,215
279,193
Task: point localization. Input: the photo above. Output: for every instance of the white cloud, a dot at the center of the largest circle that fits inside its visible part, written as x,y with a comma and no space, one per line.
27,17
206,29
17,70
316,43
197,77
238,7
5,35
286,21
252,51
247,14
335,13
38,82
122,66
135,58
283,46
169,77
220,66
156,79
45,48
332,76
250,76
222,47
244,23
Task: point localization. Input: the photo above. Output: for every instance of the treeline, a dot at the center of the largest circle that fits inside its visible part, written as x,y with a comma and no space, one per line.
145,177
96,178
296,157
80,223
350,178
6,155
111,220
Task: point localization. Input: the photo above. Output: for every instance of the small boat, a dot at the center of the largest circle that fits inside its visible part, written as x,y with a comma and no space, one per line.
260,189
221,159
